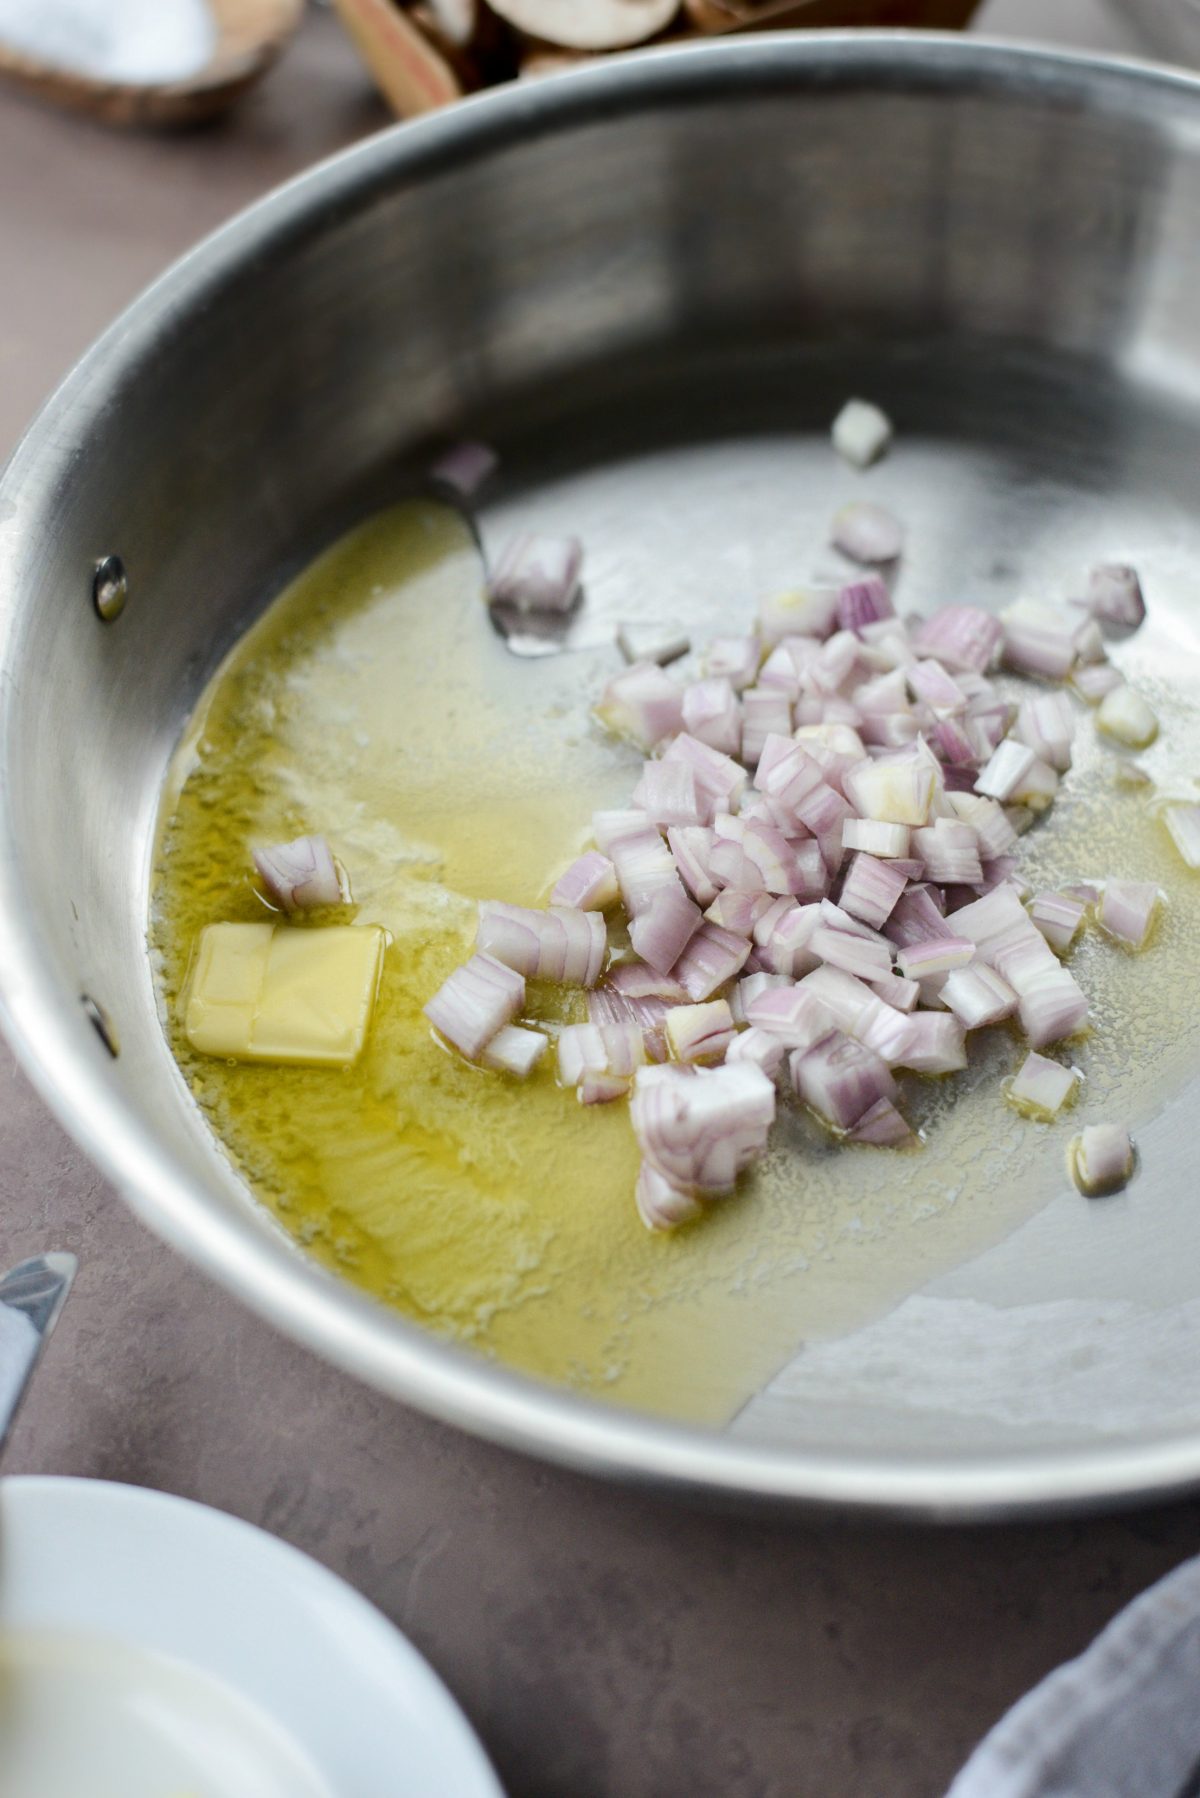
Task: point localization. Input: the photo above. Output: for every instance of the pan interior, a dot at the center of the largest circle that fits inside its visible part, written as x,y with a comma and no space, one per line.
374,701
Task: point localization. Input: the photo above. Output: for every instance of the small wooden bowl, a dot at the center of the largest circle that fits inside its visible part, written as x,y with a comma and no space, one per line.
417,70
250,35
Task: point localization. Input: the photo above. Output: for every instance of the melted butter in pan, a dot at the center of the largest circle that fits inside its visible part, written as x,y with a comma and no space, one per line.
373,703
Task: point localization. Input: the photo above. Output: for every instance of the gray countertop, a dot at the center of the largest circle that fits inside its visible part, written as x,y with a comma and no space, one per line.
602,1642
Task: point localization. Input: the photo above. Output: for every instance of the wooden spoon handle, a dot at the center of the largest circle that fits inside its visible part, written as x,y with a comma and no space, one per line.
413,74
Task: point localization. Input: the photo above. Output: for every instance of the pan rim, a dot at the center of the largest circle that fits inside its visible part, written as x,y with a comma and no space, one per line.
67,1066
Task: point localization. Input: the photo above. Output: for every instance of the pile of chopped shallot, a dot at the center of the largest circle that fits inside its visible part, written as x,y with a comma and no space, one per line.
816,881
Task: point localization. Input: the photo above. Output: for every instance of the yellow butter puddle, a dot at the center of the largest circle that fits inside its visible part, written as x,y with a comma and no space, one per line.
374,704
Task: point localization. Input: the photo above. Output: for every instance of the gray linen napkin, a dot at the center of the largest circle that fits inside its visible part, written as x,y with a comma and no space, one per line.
1122,1721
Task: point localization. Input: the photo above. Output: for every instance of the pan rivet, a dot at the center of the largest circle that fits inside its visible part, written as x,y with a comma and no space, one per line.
110,588
101,1023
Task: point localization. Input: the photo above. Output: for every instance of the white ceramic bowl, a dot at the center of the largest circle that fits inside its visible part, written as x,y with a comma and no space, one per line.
153,1648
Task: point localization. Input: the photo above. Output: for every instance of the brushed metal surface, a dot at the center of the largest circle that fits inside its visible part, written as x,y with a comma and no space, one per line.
621,274
1170,27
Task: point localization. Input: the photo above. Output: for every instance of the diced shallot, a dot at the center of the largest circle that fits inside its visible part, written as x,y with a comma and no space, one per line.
861,432
701,1127
977,996
759,1048
1039,638
537,574
1046,723
949,850
784,938
887,841
1037,787
1125,715
1183,823
802,612
1049,1001
871,888
960,638
774,858
1006,770
607,1004
734,659
748,989
700,1034
841,1079
836,918
1089,644
712,958
1041,1087
850,1002
561,943
652,642
718,777
1100,1159
712,715
1115,594
939,690
634,980
956,741
882,1126
662,1206
667,794
1094,682
515,1050
875,742
691,848
840,949
765,711
1059,918
300,876
938,955
896,991
888,1032
589,884
643,863
868,533
788,776
465,467
995,923
1127,910
894,790
866,601
993,832
611,1050
835,661
934,1043
609,827
662,930
730,866
475,1003
643,704
796,1015
916,918
738,911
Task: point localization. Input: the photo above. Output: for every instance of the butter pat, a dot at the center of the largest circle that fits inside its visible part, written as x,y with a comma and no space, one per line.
272,992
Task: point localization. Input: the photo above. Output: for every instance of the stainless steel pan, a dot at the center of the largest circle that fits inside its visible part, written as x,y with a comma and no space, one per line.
684,253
